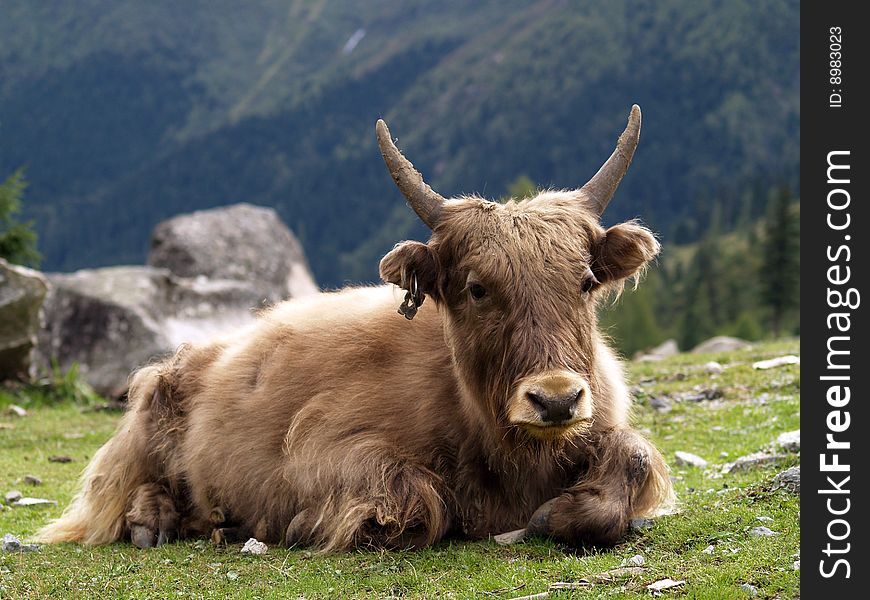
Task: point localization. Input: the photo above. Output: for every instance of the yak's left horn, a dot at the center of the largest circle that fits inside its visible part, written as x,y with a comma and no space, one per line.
599,190
425,201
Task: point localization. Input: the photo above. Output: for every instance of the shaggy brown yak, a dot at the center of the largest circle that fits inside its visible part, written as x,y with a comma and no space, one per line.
336,423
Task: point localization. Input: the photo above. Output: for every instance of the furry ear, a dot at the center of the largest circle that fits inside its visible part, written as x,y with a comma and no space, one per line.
625,249
407,259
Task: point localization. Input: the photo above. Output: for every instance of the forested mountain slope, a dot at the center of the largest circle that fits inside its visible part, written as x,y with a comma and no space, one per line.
125,113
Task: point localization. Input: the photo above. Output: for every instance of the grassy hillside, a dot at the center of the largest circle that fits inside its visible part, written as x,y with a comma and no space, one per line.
708,544
125,113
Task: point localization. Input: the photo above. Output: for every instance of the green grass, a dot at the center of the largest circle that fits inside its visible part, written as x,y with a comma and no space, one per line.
716,511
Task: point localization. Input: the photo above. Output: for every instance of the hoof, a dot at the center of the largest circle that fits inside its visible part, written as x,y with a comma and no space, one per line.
152,518
539,524
298,530
143,536
221,536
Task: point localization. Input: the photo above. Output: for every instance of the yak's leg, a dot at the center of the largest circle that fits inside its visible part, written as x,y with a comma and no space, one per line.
152,519
361,490
397,507
627,479
411,514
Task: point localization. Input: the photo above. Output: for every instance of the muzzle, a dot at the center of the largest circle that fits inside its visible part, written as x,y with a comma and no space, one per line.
550,403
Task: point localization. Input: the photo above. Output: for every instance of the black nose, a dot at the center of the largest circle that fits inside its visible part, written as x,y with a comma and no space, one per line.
554,408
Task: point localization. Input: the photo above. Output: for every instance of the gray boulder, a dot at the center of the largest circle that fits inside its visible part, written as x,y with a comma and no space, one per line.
110,321
22,292
664,350
207,271
721,343
241,242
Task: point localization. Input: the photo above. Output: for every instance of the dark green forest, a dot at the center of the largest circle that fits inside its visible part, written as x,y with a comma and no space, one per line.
125,113
740,279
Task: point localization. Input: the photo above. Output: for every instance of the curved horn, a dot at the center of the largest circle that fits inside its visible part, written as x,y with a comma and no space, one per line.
599,190
423,199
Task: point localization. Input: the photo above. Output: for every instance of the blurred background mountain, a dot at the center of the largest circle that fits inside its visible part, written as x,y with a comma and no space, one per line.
125,113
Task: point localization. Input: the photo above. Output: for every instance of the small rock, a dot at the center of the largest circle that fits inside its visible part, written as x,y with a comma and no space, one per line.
779,361
660,403
639,524
764,519
635,561
16,410
664,584
13,544
797,565
723,454
708,550
790,441
751,461
33,502
60,459
32,480
254,546
762,532
713,368
12,496
790,479
687,459
721,343
511,537
232,575
749,589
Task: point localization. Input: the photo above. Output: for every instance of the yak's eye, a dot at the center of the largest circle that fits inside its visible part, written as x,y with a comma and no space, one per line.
477,291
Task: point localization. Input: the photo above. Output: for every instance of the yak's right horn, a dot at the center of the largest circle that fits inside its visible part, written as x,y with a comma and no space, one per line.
425,201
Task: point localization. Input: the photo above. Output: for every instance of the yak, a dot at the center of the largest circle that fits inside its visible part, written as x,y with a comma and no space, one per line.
334,423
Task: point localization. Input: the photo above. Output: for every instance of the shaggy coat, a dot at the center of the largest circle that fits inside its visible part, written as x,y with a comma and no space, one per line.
334,422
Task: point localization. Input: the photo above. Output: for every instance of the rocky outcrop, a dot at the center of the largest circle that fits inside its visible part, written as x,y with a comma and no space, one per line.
22,292
111,320
664,350
208,272
241,242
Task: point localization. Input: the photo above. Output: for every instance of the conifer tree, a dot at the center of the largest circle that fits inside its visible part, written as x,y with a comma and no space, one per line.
17,239
780,267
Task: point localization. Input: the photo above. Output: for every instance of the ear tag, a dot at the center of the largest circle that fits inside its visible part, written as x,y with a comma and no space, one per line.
407,308
413,300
